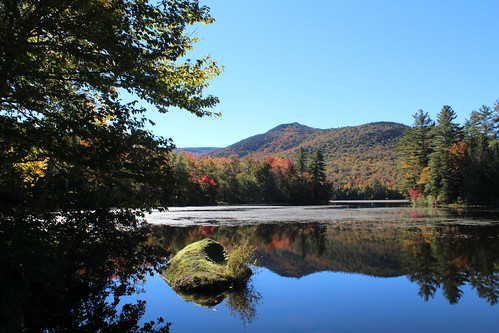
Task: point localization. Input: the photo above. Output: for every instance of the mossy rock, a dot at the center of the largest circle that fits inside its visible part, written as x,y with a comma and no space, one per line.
202,267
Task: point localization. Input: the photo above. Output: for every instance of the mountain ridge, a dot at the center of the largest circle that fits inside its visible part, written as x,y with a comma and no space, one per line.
354,155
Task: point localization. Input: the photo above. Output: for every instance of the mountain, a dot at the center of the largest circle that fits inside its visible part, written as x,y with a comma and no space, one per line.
198,151
355,155
281,138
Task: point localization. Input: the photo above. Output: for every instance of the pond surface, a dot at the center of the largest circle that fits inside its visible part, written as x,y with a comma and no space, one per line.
339,268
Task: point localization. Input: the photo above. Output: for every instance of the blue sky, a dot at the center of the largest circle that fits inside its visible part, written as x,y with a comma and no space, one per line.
328,63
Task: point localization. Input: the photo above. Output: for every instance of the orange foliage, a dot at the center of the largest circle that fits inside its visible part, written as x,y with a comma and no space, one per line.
280,241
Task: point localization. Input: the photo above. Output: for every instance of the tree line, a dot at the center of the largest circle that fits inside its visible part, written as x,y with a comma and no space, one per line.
206,180
444,162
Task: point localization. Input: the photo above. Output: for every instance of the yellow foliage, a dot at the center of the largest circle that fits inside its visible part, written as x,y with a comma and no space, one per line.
405,165
425,176
32,171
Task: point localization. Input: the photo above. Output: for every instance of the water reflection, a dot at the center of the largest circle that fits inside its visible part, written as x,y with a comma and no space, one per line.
241,302
71,275
436,257
68,273
448,257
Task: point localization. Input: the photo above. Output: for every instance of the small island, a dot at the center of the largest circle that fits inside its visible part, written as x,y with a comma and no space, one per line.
205,267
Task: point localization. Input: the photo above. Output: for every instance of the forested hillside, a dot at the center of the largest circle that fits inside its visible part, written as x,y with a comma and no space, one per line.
357,158
198,151
279,140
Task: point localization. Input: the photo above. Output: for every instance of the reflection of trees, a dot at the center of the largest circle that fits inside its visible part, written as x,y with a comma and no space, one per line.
297,249
435,257
312,240
243,303
307,238
68,273
448,257
487,286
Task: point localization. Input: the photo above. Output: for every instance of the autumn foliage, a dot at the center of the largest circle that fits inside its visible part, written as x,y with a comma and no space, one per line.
205,181
443,162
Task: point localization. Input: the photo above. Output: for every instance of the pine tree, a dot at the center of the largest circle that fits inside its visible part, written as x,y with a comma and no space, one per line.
482,181
317,169
443,182
446,133
301,160
414,150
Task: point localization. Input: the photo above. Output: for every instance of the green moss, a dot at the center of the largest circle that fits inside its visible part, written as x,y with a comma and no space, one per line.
202,267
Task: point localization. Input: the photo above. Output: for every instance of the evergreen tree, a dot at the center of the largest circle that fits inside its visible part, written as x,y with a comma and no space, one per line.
301,160
481,122
495,120
414,150
446,133
482,181
422,135
317,169
443,183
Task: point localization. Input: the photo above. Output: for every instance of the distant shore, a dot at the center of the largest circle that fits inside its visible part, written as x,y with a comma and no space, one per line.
401,201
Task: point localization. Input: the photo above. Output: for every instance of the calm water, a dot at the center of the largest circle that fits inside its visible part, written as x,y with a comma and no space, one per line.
339,269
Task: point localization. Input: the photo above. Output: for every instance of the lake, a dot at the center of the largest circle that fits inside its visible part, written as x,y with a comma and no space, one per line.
339,268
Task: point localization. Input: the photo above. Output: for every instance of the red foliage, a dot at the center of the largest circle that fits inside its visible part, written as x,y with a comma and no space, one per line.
280,241
416,193
206,231
416,214
208,181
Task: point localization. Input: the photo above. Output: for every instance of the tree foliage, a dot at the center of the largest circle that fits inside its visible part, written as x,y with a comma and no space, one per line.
71,149
247,180
66,136
361,160
446,164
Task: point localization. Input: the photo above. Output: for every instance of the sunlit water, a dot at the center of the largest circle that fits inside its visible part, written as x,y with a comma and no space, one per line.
341,269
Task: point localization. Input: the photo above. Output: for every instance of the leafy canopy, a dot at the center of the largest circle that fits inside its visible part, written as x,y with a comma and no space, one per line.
56,52
63,64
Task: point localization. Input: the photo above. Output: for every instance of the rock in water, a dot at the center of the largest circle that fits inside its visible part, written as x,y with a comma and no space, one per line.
202,267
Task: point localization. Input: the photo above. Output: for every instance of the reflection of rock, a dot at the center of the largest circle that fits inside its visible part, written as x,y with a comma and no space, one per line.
201,267
240,302
207,300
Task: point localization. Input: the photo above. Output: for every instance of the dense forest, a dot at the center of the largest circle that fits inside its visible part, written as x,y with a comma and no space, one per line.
444,162
205,180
